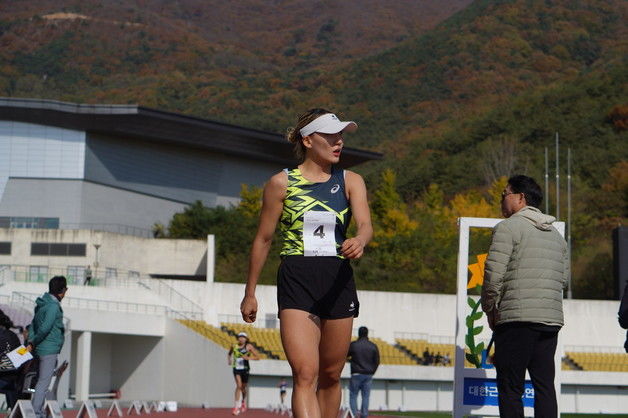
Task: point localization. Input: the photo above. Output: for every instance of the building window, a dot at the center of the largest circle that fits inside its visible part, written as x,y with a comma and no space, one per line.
63,249
134,274
5,248
76,274
28,222
111,273
38,274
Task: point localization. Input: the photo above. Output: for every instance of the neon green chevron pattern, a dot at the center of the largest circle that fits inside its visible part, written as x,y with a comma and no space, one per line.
303,196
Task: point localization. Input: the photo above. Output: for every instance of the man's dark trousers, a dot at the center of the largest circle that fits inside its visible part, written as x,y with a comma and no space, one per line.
521,346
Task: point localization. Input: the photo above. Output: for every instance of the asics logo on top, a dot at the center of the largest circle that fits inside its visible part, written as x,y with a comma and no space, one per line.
335,188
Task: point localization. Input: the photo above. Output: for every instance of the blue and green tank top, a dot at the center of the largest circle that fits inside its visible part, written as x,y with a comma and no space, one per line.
239,362
303,196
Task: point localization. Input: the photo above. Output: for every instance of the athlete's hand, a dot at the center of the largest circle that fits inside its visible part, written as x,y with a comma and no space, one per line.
248,308
352,248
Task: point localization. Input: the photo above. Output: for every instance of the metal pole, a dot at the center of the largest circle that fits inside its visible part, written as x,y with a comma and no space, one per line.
546,182
569,294
557,181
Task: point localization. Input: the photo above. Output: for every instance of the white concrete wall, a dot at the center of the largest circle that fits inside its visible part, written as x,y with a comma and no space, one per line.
138,367
101,363
186,367
196,369
386,314
123,252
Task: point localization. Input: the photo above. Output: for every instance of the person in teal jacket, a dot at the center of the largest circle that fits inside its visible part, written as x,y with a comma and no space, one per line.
46,337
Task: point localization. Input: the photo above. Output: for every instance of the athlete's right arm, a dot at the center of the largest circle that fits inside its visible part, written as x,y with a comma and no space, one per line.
272,206
229,356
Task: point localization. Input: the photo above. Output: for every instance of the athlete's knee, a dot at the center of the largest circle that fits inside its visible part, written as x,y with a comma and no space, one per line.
329,377
305,376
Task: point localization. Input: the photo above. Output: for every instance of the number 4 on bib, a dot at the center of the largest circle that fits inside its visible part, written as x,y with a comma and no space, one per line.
317,243
320,231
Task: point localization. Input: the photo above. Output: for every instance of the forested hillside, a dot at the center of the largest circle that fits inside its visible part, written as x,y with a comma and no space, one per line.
454,106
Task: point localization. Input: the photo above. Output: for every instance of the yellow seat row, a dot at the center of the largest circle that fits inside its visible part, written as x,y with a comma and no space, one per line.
611,362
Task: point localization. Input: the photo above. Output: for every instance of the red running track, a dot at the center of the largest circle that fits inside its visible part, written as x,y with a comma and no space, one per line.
187,413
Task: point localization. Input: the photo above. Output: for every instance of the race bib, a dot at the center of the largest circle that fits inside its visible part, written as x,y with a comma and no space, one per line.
239,363
319,236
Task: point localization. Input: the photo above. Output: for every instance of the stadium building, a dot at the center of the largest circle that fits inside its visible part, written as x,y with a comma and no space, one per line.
82,185
121,168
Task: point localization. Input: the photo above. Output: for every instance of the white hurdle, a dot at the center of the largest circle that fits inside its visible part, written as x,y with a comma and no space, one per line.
87,409
22,409
114,409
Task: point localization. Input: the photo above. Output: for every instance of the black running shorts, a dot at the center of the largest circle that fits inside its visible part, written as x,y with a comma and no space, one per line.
322,286
244,375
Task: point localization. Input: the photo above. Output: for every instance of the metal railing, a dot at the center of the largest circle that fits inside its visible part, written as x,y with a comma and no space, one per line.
267,322
175,299
27,300
102,305
106,227
411,336
182,315
100,278
5,274
434,339
594,349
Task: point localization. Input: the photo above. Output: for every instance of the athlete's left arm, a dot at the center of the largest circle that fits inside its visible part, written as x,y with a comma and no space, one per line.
253,353
356,193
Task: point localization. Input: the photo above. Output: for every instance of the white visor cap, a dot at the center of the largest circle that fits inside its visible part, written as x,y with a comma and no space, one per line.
327,124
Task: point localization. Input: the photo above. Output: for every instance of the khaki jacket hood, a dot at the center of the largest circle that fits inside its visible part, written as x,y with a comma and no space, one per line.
536,217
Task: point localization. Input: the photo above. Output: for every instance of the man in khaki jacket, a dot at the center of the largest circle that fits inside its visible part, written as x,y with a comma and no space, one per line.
524,277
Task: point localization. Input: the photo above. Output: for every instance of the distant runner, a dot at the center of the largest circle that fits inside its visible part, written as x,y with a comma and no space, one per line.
238,357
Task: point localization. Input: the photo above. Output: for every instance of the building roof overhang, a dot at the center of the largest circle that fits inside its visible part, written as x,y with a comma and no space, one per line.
132,121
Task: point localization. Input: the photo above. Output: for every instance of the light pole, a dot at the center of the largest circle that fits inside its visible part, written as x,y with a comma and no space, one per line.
96,246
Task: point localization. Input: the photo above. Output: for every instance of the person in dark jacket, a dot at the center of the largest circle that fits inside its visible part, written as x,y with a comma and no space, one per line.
9,341
364,362
46,337
623,314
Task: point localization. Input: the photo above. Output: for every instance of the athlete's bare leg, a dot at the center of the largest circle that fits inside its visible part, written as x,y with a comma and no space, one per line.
238,389
300,335
245,387
333,349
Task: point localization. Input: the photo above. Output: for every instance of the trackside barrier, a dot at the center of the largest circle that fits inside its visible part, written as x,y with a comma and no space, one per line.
145,407
52,409
279,409
114,409
87,409
135,407
23,409
345,412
